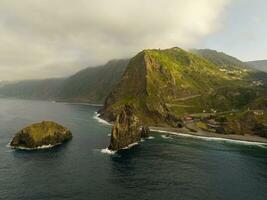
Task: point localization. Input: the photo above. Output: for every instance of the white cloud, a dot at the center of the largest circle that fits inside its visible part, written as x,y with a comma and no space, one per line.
44,38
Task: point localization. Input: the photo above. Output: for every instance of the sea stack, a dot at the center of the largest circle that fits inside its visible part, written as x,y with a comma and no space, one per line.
126,129
46,133
145,131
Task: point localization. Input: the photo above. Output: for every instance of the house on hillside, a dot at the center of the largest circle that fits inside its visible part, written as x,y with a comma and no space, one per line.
258,112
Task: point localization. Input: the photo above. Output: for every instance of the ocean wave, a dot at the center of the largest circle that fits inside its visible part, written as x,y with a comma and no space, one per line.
102,121
110,152
107,151
260,144
166,137
49,146
8,145
131,145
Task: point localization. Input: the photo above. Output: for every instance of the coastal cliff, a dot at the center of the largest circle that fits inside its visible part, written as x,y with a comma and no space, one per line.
126,129
167,87
46,133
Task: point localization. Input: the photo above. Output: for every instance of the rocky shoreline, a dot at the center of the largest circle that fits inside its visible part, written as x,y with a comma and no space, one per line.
191,130
210,135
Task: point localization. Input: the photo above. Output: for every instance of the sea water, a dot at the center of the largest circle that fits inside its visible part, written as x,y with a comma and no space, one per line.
173,167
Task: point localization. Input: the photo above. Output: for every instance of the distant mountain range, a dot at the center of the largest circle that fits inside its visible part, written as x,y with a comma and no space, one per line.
90,85
258,65
220,59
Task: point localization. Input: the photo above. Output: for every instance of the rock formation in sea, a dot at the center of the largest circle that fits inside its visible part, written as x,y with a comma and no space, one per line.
145,132
41,134
126,129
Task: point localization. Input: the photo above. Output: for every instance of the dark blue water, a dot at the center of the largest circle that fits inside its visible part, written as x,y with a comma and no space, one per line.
178,168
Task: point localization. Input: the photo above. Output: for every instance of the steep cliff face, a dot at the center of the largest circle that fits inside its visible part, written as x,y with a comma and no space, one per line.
126,129
164,85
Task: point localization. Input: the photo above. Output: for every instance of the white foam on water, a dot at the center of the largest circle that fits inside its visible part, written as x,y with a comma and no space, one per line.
109,135
107,151
96,117
8,145
49,146
46,146
110,152
166,137
260,144
150,138
131,145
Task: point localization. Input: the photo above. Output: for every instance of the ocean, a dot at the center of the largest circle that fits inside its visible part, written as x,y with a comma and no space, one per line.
160,167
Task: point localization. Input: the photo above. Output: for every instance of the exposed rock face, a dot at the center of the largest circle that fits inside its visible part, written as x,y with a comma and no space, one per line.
126,129
145,132
248,123
39,134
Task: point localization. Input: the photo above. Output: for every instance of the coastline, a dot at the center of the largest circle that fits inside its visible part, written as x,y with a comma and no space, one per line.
242,139
100,120
200,134
49,146
54,101
77,103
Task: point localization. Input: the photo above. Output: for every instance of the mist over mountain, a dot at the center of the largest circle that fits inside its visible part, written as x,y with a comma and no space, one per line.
90,85
258,65
220,58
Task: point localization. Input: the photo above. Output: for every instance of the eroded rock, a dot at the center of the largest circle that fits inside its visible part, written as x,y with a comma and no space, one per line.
126,129
46,133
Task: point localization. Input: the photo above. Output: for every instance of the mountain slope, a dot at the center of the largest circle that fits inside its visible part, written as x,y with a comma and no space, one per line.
32,89
220,59
258,65
230,64
91,85
164,85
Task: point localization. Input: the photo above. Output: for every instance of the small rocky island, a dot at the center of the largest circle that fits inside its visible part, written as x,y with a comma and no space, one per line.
127,129
46,133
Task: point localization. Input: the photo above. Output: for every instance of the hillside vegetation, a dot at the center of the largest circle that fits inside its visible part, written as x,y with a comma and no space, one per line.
220,59
165,85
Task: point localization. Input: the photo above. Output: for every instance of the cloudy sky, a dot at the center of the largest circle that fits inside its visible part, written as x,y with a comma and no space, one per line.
53,38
